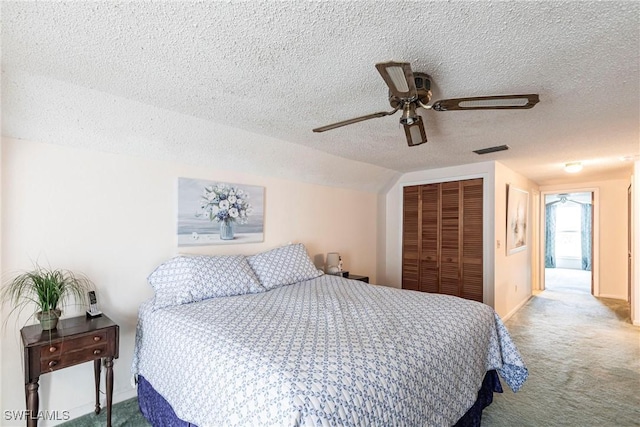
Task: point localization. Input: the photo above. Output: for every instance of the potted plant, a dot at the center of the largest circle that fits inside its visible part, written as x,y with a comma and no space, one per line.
48,289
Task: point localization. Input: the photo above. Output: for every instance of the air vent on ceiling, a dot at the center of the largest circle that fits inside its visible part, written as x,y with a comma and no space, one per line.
491,149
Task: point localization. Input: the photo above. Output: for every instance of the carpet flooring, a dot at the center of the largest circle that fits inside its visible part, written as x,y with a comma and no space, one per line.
567,280
123,414
583,357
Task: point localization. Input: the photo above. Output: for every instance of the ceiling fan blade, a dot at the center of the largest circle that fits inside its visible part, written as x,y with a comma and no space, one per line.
355,120
501,102
399,77
415,133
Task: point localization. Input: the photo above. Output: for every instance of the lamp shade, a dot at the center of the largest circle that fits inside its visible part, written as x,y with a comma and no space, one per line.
333,259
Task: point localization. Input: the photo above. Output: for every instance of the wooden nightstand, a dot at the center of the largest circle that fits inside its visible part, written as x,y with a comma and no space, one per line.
76,340
356,277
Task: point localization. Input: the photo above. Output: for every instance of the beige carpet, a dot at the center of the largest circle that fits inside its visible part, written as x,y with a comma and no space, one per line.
565,279
583,357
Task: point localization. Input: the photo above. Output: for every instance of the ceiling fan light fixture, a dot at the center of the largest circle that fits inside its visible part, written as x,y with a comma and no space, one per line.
409,115
415,132
573,167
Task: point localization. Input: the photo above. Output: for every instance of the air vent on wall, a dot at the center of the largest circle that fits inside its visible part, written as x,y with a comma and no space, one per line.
491,149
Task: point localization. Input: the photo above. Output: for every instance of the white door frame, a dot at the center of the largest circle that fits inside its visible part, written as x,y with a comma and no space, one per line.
595,248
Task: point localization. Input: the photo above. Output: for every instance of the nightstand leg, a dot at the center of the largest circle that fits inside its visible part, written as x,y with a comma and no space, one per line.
96,374
32,403
109,377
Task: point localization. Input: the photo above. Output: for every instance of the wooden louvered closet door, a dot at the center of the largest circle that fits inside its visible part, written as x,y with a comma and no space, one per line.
430,233
472,248
411,227
442,238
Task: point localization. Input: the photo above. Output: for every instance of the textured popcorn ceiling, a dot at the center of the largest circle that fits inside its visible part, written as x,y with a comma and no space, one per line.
279,69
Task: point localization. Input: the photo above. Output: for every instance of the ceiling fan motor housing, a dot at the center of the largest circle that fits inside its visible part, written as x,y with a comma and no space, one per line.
423,87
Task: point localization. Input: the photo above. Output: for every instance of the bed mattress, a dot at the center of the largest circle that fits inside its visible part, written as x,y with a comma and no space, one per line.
327,351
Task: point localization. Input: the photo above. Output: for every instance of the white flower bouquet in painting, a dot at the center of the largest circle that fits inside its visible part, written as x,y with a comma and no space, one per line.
219,213
225,204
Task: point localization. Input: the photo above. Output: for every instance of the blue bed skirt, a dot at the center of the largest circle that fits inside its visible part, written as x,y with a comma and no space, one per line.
160,414
155,408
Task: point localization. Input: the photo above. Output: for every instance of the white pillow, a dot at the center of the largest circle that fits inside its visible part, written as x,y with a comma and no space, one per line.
185,279
283,266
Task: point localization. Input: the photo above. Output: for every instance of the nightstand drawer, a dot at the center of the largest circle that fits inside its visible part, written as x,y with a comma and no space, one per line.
58,347
73,357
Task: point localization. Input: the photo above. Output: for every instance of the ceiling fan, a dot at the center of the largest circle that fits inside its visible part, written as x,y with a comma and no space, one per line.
409,91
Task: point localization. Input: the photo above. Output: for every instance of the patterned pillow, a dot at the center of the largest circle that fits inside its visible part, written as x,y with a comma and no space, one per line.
283,266
185,279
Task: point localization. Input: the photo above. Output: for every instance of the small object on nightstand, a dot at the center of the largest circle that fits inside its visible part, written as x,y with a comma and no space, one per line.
333,263
344,274
333,270
93,306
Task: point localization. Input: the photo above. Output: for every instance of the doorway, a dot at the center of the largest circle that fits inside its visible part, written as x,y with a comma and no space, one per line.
568,248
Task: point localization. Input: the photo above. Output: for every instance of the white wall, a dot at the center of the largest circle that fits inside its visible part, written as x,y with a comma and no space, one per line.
113,217
2,309
38,108
610,212
513,273
635,290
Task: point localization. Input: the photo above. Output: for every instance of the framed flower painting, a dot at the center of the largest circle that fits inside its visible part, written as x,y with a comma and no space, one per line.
219,213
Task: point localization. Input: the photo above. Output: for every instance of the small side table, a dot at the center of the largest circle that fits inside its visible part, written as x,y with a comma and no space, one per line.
76,340
364,279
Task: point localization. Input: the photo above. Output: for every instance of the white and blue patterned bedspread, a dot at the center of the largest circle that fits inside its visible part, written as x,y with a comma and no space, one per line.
328,351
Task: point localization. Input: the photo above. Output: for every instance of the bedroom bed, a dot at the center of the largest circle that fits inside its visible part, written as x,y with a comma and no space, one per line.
269,340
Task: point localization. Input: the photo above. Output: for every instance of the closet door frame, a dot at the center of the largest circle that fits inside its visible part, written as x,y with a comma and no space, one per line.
488,226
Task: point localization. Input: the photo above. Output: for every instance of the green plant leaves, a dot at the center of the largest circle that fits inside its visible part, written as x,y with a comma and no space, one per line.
48,289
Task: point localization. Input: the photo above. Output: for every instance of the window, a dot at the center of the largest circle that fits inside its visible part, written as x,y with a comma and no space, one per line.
568,230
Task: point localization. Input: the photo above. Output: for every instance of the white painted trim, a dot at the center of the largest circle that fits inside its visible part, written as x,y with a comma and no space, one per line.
488,223
595,262
635,244
444,179
518,307
611,296
535,239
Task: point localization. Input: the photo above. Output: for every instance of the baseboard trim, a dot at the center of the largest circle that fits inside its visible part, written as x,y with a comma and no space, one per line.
518,307
624,298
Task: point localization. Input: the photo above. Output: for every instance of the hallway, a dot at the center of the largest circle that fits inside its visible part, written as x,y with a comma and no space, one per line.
567,279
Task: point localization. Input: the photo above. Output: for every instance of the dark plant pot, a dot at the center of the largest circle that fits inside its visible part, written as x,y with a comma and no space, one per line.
48,319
